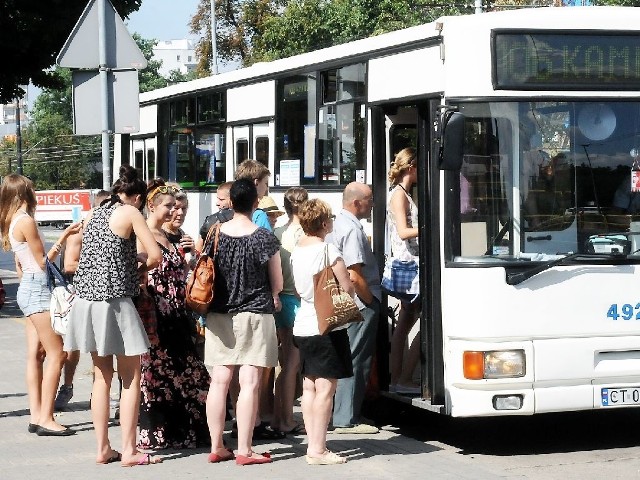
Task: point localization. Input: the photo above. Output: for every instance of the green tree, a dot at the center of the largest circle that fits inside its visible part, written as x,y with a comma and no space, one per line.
55,158
31,36
261,30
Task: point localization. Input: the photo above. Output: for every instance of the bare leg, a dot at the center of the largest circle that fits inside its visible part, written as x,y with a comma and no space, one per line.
103,375
52,344
406,319
247,406
129,371
285,389
265,396
321,407
35,361
406,378
70,365
216,405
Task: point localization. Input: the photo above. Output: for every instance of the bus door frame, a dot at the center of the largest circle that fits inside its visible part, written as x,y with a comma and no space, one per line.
431,345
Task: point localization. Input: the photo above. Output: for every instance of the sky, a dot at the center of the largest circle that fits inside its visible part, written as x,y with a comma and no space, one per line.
163,19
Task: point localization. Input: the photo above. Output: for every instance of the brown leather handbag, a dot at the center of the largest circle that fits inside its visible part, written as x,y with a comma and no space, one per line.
334,306
199,291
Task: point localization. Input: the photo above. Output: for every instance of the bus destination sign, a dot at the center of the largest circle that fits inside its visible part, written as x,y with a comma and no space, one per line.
551,61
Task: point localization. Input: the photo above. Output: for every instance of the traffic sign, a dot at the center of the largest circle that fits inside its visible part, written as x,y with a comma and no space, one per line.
82,48
124,113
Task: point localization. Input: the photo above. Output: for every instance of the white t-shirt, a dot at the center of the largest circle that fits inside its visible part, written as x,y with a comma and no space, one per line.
305,263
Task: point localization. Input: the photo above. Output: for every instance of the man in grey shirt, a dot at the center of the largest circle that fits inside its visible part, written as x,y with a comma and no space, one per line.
348,235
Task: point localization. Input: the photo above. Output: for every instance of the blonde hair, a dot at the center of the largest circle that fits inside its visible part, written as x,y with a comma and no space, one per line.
15,191
404,159
313,213
252,170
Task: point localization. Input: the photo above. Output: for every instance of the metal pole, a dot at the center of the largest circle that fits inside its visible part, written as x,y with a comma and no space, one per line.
18,138
104,87
214,41
478,6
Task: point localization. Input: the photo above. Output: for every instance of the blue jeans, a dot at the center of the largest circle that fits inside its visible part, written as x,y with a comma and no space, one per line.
350,391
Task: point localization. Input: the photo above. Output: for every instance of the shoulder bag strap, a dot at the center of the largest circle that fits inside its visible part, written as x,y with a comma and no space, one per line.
206,248
215,242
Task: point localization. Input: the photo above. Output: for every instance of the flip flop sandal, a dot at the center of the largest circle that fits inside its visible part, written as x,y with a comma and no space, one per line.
146,459
115,457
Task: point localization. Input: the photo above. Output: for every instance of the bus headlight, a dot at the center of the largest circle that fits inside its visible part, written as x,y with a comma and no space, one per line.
493,364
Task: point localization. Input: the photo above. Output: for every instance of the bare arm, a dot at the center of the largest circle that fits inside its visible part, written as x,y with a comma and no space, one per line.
399,206
275,278
127,219
72,252
342,274
360,284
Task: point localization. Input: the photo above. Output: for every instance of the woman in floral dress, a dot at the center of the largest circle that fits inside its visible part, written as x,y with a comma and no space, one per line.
174,380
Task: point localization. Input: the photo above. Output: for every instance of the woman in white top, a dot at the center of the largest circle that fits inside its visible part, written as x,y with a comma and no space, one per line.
323,358
402,220
20,234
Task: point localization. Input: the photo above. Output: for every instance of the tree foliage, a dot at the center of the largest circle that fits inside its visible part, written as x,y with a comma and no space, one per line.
31,36
250,31
52,156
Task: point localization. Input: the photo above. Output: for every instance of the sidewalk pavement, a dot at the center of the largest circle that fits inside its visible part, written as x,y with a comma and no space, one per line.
23,455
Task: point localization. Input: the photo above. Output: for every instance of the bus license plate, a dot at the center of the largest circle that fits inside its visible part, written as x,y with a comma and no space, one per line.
613,397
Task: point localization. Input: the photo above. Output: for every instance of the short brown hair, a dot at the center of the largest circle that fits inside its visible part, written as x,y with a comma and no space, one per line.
252,170
313,213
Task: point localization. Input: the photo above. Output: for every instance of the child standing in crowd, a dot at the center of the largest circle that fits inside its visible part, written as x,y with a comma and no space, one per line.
20,233
104,320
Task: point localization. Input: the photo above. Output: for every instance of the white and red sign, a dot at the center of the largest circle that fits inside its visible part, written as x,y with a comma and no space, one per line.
58,205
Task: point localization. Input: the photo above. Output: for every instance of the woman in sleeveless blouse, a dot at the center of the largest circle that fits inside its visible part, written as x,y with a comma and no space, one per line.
174,380
20,234
104,320
402,220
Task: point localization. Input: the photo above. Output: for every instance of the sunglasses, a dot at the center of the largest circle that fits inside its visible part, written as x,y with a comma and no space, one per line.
163,189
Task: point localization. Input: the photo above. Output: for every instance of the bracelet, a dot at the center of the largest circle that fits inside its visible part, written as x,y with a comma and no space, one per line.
57,247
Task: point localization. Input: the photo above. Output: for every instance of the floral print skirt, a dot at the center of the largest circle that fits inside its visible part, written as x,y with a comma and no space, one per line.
173,401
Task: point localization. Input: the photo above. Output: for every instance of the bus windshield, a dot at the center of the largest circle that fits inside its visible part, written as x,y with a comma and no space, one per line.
545,178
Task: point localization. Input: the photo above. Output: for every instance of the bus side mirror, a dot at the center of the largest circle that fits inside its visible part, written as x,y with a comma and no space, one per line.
452,141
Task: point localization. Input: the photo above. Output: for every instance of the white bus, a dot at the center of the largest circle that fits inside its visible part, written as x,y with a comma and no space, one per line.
527,125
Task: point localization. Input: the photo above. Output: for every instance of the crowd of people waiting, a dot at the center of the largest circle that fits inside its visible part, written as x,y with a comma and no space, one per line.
129,272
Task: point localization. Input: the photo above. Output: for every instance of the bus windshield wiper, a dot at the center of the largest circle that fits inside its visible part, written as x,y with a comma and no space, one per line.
517,278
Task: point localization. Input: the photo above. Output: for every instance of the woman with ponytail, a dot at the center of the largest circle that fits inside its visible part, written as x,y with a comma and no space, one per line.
104,321
402,223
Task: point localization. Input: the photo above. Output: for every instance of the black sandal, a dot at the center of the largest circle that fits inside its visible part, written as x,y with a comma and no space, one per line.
264,431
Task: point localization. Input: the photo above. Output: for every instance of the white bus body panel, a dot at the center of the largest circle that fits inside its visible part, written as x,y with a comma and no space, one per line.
467,44
559,318
148,120
389,79
257,100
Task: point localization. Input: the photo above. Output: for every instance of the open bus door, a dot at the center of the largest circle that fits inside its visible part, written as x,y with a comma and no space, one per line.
395,127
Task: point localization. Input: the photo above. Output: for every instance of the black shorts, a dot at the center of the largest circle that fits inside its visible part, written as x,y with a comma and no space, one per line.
325,356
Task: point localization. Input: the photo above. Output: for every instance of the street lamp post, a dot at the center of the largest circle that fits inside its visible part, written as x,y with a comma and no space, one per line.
18,137
214,42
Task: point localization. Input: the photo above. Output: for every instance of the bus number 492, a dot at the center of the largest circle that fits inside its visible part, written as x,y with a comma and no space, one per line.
625,311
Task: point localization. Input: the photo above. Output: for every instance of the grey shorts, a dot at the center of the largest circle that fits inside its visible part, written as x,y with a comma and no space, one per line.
33,294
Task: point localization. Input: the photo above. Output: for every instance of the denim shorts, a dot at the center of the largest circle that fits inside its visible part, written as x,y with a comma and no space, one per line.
33,293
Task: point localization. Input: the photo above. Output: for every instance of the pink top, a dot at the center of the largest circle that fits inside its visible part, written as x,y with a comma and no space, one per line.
22,250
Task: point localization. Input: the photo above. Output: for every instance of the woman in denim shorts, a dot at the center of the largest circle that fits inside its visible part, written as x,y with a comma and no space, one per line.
20,234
